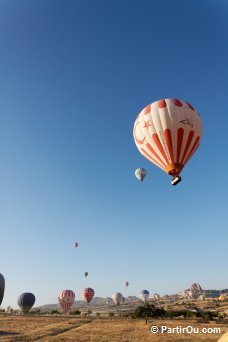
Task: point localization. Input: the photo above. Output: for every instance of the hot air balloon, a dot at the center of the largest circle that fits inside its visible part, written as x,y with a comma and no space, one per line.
66,299
140,174
167,133
201,297
88,294
223,338
144,295
108,301
127,283
75,245
26,301
222,298
117,298
2,287
86,274
156,296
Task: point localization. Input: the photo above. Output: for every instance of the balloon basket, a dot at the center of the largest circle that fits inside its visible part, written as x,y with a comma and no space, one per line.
176,180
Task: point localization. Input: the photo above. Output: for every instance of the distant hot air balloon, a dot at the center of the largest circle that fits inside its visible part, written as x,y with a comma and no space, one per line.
144,295
26,301
66,299
86,274
75,245
127,283
156,296
167,133
201,297
108,301
140,174
88,294
117,298
223,338
222,298
2,287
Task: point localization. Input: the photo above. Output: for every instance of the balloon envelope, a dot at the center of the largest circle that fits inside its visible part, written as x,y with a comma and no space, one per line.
109,301
66,299
26,301
127,283
156,296
167,133
2,287
86,274
144,295
223,338
75,245
140,174
117,298
88,294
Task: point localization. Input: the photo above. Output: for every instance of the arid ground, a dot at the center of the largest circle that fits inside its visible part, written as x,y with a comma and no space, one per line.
66,328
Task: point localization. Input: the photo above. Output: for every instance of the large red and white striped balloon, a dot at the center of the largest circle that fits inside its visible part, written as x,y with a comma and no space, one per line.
66,299
88,294
167,133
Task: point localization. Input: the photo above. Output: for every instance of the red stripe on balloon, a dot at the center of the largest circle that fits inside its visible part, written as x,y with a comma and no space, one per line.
180,134
150,148
193,149
159,146
161,104
177,103
168,138
148,156
88,294
190,137
147,109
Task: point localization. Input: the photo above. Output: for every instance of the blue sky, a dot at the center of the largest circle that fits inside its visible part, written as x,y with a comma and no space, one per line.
73,77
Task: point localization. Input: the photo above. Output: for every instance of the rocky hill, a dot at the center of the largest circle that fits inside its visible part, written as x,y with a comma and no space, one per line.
133,301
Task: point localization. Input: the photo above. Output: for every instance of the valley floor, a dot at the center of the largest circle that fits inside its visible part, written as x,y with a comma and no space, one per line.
65,328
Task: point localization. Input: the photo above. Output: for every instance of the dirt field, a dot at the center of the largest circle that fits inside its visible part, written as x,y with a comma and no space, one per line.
64,328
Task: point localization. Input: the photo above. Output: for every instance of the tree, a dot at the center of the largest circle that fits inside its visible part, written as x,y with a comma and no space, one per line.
148,311
75,312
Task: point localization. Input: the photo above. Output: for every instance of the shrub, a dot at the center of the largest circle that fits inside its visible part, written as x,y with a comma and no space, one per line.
54,312
207,316
125,314
177,313
34,311
75,312
111,314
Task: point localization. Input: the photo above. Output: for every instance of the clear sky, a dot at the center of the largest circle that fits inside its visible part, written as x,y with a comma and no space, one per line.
73,77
